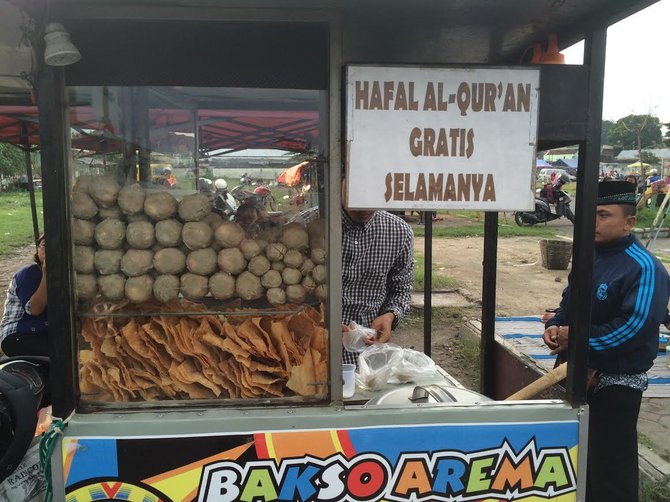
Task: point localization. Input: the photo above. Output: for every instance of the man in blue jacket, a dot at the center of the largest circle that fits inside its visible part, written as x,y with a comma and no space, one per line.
629,301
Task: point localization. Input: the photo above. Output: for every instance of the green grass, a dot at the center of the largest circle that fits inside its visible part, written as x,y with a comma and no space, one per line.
470,351
645,217
645,441
509,229
16,221
439,279
654,491
440,314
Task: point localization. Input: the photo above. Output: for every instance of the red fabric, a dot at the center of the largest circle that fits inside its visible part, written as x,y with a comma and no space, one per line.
218,129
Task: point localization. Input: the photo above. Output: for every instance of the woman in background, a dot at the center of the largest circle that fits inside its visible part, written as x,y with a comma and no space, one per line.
24,326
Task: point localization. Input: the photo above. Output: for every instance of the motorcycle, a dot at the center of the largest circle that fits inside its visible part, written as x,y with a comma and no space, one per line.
22,394
225,204
241,195
266,198
543,207
261,197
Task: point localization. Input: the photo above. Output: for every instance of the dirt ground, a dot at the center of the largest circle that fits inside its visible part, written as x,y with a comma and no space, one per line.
524,287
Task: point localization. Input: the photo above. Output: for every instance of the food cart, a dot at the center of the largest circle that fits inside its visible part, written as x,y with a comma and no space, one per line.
183,368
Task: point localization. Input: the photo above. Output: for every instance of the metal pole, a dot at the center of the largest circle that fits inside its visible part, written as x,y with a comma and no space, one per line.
490,266
141,126
196,147
31,186
585,208
54,137
428,283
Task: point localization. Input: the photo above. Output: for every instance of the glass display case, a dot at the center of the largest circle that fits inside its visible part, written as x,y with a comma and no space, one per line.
199,244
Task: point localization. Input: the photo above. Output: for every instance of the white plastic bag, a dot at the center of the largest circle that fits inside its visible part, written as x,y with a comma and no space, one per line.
412,366
27,482
376,363
384,363
354,339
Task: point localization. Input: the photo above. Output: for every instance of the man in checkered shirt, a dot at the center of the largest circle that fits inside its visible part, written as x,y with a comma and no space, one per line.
377,271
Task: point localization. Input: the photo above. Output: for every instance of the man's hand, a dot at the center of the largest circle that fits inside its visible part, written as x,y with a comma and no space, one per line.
556,338
383,325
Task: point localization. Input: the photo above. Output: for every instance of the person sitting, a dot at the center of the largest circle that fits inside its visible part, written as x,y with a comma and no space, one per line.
24,329
653,177
547,192
252,219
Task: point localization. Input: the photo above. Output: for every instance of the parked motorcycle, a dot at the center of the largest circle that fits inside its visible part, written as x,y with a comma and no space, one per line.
241,195
261,197
245,179
267,199
22,387
558,199
225,204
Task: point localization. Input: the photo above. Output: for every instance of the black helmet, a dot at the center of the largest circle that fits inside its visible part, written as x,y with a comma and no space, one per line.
564,179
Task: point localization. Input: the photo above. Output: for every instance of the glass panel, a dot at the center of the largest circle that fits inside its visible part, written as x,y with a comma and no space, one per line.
199,243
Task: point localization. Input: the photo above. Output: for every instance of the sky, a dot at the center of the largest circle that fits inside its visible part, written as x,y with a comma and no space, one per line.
637,68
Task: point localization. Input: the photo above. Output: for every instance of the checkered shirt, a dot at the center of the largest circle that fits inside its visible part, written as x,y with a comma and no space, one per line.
377,270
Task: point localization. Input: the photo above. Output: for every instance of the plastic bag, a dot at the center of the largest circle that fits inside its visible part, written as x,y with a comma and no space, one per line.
27,483
412,366
384,363
43,420
354,339
376,363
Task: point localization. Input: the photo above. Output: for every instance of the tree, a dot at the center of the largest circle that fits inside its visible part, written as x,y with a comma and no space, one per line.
636,132
649,158
604,132
12,160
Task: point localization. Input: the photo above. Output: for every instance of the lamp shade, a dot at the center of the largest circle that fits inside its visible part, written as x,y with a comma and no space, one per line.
59,49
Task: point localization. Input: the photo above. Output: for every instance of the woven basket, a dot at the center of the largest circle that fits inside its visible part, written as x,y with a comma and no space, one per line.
556,254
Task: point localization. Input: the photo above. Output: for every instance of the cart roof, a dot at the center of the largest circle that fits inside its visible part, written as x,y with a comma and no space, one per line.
473,31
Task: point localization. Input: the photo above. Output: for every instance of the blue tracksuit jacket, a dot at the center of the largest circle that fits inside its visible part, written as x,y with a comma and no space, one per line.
629,301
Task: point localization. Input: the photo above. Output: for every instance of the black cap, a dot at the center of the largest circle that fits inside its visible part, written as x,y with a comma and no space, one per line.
616,192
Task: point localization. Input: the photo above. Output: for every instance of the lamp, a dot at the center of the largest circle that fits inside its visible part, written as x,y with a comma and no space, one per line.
552,55
59,49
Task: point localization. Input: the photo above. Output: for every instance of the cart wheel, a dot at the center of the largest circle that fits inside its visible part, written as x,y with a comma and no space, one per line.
523,220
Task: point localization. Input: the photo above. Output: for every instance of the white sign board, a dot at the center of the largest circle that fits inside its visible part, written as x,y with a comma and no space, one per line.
441,138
